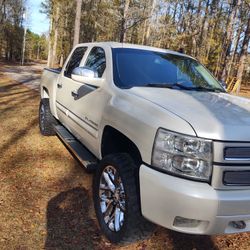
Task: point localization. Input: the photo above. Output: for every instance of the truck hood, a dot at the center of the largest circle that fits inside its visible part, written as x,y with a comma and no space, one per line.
217,116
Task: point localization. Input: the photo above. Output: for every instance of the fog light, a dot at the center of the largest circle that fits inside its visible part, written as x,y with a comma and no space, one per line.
238,224
185,222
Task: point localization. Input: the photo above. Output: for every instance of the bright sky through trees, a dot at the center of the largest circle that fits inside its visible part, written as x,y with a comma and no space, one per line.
38,22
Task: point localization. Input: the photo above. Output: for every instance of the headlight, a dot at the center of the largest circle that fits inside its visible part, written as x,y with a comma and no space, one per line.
182,155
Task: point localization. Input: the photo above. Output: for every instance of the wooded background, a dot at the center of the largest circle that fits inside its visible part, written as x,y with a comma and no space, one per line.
216,32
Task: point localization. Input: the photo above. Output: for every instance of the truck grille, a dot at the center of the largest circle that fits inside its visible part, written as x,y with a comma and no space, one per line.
231,165
237,153
238,178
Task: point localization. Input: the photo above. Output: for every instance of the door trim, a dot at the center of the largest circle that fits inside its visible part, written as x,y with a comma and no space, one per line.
89,123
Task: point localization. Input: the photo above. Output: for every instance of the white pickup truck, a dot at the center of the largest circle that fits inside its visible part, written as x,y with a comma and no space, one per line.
165,140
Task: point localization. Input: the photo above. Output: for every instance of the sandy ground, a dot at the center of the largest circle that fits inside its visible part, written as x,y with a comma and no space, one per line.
45,195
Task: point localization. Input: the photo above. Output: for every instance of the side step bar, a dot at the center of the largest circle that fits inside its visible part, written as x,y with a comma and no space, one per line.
83,155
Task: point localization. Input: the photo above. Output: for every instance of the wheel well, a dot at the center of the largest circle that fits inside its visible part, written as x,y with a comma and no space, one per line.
45,93
113,141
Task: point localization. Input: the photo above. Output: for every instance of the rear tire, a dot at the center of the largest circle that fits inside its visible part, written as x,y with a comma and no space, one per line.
123,202
46,119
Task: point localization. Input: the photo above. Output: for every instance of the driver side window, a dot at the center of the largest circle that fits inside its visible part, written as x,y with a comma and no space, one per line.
74,61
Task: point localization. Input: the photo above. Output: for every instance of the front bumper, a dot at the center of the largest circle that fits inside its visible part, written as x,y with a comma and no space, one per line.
165,197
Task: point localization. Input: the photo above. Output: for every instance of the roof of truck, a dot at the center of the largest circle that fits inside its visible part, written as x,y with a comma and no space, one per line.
134,46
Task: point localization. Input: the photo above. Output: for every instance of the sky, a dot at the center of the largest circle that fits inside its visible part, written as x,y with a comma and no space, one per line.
37,22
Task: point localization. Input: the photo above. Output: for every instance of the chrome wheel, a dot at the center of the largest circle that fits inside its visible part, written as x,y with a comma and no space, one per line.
112,198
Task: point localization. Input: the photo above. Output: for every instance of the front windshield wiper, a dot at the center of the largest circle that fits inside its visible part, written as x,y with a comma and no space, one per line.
179,85
199,88
166,85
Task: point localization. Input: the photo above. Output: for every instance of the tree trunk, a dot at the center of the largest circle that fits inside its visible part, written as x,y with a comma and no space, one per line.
229,37
243,55
175,11
212,31
61,61
54,58
148,29
77,22
235,46
50,51
199,9
203,25
123,21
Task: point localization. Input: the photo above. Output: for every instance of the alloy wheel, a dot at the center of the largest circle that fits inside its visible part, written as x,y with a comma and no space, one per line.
112,198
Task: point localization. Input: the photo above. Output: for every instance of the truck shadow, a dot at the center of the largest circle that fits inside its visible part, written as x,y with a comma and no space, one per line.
69,225
188,242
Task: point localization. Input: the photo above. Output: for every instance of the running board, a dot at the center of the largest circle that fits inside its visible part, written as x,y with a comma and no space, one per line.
83,155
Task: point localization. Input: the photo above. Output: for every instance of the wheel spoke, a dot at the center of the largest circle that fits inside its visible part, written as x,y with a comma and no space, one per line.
117,219
121,218
105,198
122,206
104,187
111,218
109,207
109,181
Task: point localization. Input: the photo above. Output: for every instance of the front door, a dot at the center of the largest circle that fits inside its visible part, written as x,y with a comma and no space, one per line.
86,107
80,104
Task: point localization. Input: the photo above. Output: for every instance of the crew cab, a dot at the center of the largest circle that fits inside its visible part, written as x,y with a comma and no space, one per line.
166,143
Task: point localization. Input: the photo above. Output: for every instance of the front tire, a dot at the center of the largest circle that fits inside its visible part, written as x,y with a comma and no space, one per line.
116,200
46,119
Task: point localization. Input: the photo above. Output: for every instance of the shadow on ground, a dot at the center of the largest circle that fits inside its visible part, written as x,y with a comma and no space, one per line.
185,241
69,225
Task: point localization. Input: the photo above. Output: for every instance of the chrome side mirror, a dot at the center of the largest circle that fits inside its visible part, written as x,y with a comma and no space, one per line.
81,74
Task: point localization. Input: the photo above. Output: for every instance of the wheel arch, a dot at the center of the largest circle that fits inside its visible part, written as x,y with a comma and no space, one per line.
45,92
113,141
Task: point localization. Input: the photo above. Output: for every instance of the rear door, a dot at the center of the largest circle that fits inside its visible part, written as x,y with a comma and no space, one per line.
66,85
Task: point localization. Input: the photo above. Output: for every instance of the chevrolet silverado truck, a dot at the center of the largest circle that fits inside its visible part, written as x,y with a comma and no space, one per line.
166,143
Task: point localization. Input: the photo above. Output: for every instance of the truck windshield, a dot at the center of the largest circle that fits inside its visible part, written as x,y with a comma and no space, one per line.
145,68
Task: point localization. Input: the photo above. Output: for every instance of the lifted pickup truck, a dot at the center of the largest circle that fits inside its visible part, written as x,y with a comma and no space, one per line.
166,141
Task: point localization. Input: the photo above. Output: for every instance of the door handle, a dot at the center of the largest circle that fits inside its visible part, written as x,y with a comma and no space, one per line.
59,85
74,93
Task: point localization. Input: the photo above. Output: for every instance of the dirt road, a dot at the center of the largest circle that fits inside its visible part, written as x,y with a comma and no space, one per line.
45,195
28,75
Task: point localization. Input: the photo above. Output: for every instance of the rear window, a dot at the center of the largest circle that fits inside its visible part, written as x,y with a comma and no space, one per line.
75,60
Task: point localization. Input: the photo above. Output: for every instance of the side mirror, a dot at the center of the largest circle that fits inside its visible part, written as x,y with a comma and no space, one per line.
83,74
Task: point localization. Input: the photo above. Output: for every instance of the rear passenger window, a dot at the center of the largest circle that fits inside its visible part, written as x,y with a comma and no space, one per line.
96,60
75,60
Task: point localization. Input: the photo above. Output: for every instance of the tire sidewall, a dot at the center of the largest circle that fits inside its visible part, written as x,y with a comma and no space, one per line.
48,119
42,128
